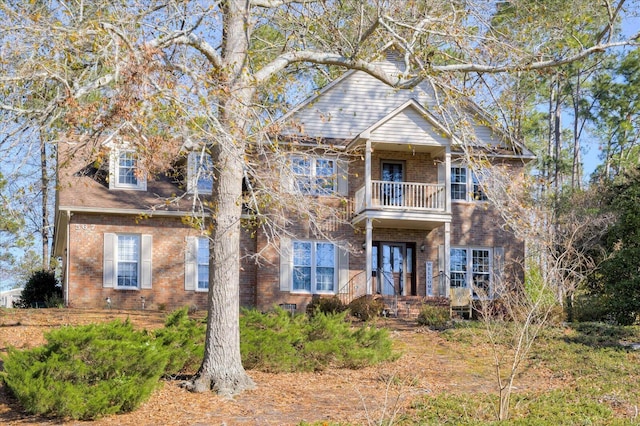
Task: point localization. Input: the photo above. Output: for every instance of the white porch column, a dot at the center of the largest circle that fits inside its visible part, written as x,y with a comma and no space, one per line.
368,250
447,181
367,174
447,257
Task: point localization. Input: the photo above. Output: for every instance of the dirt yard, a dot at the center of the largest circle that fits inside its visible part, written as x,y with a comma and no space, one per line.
428,365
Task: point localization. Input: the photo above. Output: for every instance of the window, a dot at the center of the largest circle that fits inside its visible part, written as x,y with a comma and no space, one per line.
128,261
458,183
476,260
465,185
313,267
196,263
458,268
481,265
203,263
478,193
200,173
124,171
127,169
314,176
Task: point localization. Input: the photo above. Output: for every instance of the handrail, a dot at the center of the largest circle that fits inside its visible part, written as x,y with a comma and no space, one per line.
402,195
347,293
388,282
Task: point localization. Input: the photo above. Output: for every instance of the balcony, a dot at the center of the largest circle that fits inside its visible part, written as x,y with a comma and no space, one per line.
407,205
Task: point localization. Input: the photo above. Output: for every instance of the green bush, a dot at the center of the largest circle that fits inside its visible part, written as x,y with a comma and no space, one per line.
434,317
326,305
86,372
270,342
183,338
41,290
278,342
589,308
366,307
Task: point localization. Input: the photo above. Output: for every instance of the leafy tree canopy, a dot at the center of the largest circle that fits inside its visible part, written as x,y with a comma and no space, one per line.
617,280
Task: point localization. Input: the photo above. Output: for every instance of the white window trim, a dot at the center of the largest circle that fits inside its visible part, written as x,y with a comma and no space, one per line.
114,172
313,175
194,160
469,184
469,265
110,262
198,289
139,263
313,268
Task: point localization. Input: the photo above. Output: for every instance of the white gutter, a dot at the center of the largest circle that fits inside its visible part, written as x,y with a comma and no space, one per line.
125,211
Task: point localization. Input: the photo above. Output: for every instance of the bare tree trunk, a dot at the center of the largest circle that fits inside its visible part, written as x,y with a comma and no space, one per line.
221,368
44,181
557,139
576,175
505,400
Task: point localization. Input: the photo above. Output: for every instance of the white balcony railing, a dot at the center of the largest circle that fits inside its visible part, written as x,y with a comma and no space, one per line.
402,195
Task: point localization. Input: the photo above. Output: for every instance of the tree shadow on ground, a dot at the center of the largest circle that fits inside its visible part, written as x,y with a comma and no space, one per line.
602,335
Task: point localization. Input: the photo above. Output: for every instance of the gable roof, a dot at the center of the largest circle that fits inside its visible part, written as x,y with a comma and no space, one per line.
83,185
357,104
410,123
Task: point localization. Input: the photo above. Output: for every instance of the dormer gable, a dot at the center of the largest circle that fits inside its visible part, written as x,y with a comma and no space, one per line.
199,177
125,171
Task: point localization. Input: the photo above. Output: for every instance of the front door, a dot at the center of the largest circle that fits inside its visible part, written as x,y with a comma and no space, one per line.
392,192
396,269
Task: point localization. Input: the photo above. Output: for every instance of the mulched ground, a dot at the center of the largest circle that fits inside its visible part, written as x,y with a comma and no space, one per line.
428,365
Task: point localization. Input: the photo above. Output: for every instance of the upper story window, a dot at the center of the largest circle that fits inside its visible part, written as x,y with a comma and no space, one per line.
465,185
127,167
314,176
314,267
199,173
125,172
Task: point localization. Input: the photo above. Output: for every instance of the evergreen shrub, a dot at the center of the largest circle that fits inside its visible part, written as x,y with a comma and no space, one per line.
271,341
434,317
86,372
591,307
41,290
278,342
183,338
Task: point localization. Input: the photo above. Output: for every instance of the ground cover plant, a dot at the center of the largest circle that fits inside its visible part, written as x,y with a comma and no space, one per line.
594,362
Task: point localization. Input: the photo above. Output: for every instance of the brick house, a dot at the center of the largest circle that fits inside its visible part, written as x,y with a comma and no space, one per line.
415,215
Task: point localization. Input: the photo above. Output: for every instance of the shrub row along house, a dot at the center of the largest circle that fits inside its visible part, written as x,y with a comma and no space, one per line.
413,221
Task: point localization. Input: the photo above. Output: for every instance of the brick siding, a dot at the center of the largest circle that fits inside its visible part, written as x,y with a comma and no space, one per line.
85,273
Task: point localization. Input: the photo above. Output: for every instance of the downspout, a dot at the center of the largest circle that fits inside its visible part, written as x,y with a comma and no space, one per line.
66,260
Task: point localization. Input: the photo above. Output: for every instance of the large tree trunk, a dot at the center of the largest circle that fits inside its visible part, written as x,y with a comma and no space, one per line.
221,368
